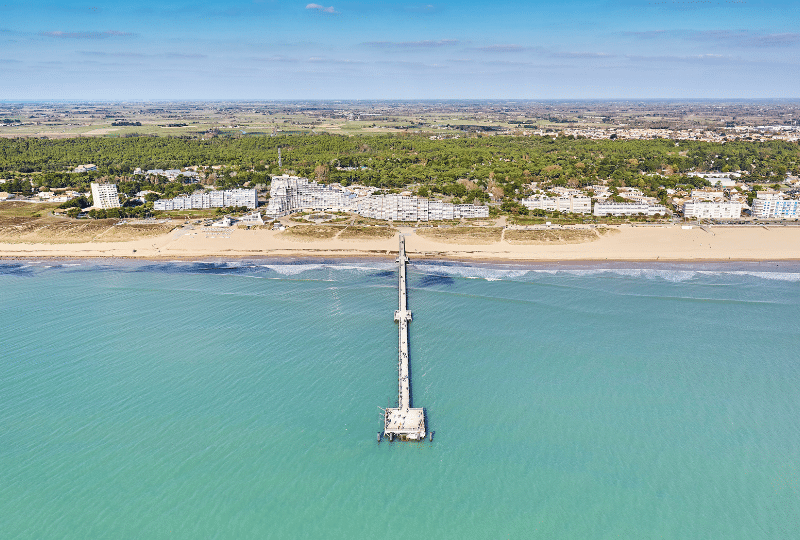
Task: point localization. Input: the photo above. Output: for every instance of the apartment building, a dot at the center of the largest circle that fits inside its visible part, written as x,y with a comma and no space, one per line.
210,199
707,194
712,209
576,204
609,208
105,195
291,193
775,208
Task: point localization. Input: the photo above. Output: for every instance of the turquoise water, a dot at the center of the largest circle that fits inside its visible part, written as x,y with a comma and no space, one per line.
240,400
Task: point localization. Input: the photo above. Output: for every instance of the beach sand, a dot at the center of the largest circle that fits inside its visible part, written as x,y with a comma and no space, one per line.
623,243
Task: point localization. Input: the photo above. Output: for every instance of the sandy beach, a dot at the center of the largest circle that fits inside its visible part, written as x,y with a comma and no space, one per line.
623,243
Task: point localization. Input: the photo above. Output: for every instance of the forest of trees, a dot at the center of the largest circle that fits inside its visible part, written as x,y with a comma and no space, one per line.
503,165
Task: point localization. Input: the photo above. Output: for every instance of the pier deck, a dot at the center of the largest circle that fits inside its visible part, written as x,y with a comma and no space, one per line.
403,421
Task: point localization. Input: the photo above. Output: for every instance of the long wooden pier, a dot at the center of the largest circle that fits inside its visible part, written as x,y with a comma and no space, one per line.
403,421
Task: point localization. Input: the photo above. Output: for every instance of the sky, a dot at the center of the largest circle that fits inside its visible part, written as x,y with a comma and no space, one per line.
469,49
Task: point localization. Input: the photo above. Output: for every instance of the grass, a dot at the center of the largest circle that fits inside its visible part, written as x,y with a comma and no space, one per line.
368,233
462,235
448,223
555,236
50,230
358,220
24,209
309,233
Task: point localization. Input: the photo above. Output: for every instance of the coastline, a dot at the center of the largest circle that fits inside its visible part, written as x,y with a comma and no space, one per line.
626,244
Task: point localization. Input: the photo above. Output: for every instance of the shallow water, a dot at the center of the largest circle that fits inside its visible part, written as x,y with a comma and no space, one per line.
239,399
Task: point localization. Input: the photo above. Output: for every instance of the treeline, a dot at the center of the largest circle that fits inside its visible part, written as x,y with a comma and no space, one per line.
503,165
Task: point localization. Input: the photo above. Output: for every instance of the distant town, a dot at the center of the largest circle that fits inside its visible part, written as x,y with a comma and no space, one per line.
700,120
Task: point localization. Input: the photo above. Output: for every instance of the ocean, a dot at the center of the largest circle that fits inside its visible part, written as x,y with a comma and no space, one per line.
240,399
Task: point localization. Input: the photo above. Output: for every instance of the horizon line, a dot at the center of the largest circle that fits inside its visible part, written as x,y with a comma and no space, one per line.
346,100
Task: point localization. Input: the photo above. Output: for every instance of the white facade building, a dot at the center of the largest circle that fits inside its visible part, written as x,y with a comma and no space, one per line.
775,208
712,209
707,194
404,208
291,193
240,197
210,199
609,208
575,204
105,195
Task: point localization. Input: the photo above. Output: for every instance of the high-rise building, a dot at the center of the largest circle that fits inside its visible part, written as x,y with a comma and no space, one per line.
105,195
291,193
775,208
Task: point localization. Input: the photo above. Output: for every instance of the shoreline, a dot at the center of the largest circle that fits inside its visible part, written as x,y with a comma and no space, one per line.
334,259
384,258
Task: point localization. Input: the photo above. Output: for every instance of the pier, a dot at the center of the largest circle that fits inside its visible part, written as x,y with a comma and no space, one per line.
403,421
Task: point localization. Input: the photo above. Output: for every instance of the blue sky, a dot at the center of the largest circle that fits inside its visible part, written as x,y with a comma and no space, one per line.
283,49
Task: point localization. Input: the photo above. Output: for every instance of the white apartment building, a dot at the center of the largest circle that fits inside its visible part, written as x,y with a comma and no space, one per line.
470,211
291,193
439,210
105,195
712,209
770,195
775,208
559,190
638,197
707,194
210,199
728,179
609,208
240,197
404,208
576,204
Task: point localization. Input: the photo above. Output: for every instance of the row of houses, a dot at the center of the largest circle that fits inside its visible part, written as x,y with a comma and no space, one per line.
209,199
292,193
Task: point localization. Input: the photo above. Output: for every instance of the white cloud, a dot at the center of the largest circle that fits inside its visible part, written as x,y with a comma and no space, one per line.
510,48
323,9
427,44
85,35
